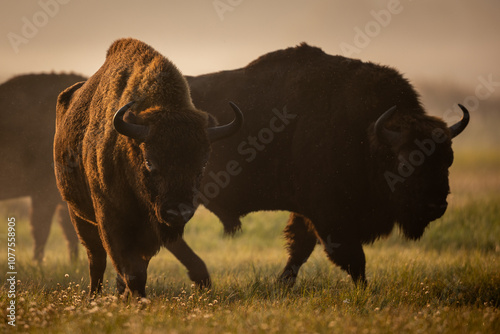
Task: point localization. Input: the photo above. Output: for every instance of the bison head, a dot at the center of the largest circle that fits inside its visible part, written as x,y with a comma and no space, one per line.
170,150
416,160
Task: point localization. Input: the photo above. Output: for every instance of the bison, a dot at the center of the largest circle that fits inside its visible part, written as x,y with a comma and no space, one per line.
27,130
129,151
345,145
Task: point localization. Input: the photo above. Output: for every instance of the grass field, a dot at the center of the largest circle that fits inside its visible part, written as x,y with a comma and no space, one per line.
448,282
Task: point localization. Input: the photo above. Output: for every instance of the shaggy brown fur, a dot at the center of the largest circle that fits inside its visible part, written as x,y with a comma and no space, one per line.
124,194
323,161
26,136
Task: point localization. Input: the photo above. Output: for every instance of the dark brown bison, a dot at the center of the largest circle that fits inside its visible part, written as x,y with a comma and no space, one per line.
27,134
344,145
129,151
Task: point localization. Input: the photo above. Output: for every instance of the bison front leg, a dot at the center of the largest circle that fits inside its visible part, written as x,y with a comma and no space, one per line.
131,274
130,245
132,271
131,279
197,270
301,240
90,239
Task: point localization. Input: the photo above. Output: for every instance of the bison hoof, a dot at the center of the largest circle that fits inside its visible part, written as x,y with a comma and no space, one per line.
361,283
38,257
120,284
73,256
201,281
287,279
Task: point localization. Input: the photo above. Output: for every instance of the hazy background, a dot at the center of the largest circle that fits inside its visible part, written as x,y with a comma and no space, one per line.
443,47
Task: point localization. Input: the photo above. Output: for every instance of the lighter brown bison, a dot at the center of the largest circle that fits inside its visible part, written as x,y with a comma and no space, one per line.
129,150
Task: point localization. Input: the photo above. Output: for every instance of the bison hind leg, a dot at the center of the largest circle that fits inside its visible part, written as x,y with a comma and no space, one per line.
69,231
89,236
42,211
301,240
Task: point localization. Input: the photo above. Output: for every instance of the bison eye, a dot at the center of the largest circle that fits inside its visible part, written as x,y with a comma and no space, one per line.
150,166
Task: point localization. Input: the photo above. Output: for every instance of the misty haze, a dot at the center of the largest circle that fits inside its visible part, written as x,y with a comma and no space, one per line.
326,173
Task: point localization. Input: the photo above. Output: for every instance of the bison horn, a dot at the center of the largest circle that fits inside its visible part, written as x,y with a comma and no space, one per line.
458,127
223,131
382,133
128,129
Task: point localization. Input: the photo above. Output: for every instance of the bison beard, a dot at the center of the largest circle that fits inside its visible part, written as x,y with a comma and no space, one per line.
140,148
356,122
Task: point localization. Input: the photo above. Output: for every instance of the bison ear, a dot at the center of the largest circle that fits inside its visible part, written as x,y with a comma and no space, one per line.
64,99
131,117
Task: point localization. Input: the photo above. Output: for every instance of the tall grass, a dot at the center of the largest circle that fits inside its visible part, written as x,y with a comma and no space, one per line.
447,282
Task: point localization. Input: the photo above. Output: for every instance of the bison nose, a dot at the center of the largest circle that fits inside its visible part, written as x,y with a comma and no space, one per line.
181,213
438,209
442,206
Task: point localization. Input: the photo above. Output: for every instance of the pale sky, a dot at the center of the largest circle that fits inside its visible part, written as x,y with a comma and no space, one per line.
452,40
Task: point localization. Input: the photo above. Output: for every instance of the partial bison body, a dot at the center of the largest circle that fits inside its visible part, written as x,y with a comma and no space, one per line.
129,152
344,145
27,131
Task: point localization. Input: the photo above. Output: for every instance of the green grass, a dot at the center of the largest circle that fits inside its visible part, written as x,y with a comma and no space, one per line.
447,282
